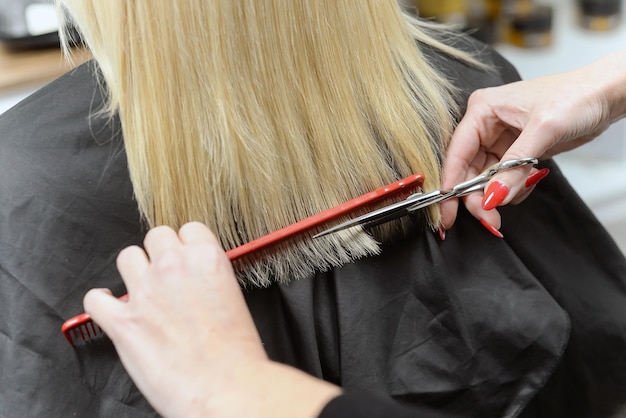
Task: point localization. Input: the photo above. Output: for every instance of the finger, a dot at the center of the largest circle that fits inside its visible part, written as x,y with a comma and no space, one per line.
449,209
522,195
159,240
531,182
204,254
480,131
132,263
480,128
463,148
105,309
503,188
479,163
473,203
197,233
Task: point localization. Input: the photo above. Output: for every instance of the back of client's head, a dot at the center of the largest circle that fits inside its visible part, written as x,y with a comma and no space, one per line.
249,115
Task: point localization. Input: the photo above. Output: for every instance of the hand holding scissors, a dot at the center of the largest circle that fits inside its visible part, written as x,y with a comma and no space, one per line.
421,200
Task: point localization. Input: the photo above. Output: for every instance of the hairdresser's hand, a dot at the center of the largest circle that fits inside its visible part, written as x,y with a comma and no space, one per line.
536,118
186,336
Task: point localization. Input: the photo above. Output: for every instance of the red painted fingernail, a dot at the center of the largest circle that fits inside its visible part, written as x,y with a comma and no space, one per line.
537,177
495,194
491,228
442,233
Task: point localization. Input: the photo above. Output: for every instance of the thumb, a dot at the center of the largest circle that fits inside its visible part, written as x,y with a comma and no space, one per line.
104,309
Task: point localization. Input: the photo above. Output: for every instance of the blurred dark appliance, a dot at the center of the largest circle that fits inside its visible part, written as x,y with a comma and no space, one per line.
28,24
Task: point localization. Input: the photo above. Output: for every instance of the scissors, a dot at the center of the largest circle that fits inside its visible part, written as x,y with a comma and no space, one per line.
421,200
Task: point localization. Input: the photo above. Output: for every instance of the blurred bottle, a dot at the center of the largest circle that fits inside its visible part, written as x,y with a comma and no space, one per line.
599,15
524,23
477,17
532,28
444,11
483,20
515,7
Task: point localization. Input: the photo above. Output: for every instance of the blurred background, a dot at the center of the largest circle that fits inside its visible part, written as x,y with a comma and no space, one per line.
29,49
28,24
538,36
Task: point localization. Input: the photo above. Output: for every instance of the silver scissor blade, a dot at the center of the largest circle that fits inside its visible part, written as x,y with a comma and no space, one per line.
438,196
390,212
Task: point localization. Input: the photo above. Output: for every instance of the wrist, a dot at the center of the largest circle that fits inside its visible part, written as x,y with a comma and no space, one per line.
284,391
263,388
611,74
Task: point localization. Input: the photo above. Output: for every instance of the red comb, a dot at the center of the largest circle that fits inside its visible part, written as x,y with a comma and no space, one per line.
83,328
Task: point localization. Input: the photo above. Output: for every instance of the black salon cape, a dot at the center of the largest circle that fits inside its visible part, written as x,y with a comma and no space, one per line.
532,324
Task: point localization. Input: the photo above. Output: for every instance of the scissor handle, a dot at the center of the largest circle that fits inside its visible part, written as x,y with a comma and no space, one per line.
478,182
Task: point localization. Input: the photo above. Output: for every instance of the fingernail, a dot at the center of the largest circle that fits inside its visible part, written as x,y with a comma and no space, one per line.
442,233
491,228
537,177
495,194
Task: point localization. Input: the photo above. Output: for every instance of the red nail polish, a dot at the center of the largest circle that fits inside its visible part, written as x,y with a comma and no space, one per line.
495,194
442,233
491,228
537,177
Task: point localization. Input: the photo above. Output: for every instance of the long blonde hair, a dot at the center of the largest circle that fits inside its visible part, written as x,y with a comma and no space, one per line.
249,115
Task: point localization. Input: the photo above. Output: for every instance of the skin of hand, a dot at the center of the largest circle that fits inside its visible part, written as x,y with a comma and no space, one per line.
186,336
536,118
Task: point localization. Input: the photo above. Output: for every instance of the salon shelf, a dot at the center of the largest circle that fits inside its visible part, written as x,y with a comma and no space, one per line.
19,69
23,72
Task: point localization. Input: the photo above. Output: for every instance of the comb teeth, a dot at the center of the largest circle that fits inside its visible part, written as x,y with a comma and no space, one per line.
81,330
85,332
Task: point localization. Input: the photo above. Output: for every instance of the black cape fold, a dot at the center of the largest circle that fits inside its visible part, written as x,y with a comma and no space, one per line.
530,325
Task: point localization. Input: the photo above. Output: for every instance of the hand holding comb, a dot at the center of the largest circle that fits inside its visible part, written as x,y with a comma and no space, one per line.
82,328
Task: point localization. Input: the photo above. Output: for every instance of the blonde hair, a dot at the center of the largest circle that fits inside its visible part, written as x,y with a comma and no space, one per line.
249,115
